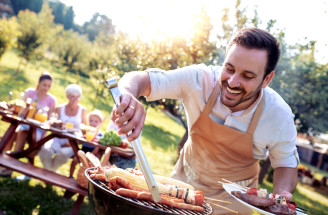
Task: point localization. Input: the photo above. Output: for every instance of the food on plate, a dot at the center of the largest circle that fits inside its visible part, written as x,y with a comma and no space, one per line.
270,202
131,183
111,138
58,124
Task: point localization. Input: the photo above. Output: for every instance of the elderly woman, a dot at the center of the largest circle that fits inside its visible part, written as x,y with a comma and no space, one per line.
72,113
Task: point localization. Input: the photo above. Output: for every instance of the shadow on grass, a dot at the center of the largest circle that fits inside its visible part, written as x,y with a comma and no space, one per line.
21,198
160,138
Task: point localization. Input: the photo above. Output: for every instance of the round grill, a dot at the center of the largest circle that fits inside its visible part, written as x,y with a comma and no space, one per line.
106,201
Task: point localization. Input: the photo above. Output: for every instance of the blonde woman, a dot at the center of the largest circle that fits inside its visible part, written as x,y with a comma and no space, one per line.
56,152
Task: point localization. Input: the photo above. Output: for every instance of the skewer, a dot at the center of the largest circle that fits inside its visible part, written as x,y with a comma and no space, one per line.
224,208
235,183
237,186
216,200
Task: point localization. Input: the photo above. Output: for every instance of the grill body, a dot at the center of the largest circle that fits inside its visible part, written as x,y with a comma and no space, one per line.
106,201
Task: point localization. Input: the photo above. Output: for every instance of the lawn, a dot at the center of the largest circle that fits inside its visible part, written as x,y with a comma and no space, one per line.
160,137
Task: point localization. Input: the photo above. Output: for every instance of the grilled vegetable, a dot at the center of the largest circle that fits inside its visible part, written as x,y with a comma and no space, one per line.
137,181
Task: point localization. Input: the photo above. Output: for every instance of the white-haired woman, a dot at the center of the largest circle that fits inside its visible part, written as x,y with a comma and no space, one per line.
73,113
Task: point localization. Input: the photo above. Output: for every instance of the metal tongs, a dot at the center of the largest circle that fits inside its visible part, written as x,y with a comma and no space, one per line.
112,85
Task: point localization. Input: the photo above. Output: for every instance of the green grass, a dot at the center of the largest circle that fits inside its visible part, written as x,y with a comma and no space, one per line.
160,137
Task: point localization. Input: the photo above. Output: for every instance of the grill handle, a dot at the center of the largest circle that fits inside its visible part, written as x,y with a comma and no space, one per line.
112,85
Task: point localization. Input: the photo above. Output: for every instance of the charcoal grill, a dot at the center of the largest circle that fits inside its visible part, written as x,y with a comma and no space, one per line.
106,201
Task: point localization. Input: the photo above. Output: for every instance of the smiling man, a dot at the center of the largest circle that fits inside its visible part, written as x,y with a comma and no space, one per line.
234,118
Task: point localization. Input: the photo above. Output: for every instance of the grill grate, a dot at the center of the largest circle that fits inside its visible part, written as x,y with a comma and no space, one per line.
152,205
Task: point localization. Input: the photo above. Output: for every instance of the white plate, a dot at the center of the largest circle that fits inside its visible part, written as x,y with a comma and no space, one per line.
228,187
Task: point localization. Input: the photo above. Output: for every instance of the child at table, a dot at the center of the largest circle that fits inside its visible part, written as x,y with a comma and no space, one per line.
95,119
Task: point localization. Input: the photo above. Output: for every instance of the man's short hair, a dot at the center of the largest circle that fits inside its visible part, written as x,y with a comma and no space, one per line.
255,38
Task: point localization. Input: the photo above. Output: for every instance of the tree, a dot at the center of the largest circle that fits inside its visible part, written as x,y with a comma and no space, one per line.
98,23
305,89
199,47
8,34
35,30
72,51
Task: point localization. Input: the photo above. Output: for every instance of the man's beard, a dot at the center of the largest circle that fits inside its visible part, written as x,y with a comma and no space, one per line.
242,99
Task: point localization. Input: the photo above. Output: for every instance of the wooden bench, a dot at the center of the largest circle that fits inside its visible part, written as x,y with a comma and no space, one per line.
48,177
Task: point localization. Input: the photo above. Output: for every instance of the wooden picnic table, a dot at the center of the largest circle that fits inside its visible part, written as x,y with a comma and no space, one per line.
11,159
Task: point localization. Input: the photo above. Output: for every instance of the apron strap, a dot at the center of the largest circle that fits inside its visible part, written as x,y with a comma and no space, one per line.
213,98
256,116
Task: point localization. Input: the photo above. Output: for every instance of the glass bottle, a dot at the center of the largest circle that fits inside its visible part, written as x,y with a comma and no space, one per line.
25,110
31,111
42,114
19,105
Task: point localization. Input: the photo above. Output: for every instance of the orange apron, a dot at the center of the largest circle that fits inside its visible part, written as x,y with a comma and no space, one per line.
214,151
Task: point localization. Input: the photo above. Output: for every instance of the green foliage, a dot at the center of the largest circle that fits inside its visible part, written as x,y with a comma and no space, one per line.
72,50
98,23
110,138
304,87
8,33
35,30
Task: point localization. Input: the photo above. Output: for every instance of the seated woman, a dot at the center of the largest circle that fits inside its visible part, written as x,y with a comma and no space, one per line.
95,119
44,99
73,113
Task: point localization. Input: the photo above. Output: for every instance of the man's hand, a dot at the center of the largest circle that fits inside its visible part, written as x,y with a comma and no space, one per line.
129,115
287,195
284,181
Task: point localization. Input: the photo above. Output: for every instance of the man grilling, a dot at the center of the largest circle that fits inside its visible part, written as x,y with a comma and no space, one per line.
234,119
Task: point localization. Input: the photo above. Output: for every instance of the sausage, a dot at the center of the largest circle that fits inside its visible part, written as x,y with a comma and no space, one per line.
253,200
143,195
121,182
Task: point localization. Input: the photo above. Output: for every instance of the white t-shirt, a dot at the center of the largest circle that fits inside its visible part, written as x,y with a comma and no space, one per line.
275,134
76,120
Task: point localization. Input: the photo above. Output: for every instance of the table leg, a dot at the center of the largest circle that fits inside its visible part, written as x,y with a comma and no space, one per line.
75,148
8,135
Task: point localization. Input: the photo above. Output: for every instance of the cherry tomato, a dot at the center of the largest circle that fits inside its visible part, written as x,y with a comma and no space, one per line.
124,145
199,197
252,191
292,205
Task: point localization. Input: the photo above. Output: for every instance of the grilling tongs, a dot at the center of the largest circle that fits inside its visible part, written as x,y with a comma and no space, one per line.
112,85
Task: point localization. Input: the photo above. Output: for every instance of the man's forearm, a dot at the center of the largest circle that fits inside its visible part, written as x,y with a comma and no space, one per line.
135,83
284,179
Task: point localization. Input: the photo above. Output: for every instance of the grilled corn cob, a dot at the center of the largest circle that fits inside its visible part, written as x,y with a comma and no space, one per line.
137,181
